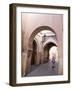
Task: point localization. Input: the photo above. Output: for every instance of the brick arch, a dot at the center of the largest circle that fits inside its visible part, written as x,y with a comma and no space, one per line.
50,40
47,47
37,30
53,44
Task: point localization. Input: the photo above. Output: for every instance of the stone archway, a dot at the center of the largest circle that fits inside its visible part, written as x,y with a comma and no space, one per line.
47,48
51,40
32,36
37,30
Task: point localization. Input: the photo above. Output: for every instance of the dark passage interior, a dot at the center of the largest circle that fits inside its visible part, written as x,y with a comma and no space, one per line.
34,53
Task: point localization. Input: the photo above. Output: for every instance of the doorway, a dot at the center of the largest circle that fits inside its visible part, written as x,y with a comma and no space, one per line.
46,51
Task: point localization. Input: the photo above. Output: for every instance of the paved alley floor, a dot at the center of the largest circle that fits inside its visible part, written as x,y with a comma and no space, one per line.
43,70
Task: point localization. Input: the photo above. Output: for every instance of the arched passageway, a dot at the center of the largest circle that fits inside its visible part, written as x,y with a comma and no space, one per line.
36,31
33,55
31,39
46,51
53,53
31,26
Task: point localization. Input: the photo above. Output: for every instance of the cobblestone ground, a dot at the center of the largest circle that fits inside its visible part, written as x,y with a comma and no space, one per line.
44,69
